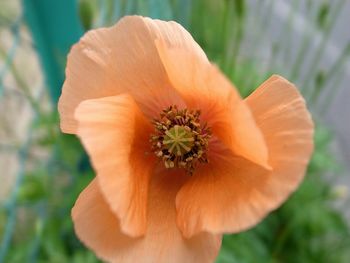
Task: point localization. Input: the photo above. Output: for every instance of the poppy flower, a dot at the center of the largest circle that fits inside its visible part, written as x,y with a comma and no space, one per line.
180,157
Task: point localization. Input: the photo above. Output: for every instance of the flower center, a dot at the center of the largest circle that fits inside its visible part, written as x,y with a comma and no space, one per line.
179,139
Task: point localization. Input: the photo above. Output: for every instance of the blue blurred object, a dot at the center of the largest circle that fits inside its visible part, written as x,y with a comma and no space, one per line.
55,27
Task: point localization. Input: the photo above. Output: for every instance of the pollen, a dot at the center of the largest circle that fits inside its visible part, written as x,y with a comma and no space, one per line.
180,141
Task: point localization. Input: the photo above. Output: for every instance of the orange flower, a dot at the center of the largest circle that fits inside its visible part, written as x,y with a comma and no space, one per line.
179,157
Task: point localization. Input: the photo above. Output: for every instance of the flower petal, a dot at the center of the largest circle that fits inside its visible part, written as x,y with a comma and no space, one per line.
115,135
204,87
98,228
232,194
122,59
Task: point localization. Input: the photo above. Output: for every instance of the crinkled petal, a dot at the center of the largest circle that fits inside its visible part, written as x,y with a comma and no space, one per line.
232,194
98,228
115,134
204,87
122,59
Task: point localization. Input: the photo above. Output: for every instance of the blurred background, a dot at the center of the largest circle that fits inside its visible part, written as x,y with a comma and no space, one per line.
42,171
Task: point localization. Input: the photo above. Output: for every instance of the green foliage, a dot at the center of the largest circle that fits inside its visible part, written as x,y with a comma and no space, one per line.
323,14
44,199
33,188
86,13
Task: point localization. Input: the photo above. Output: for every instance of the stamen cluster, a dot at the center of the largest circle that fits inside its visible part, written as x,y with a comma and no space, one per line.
179,139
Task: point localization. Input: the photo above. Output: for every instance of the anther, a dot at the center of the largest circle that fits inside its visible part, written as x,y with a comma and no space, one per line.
180,140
